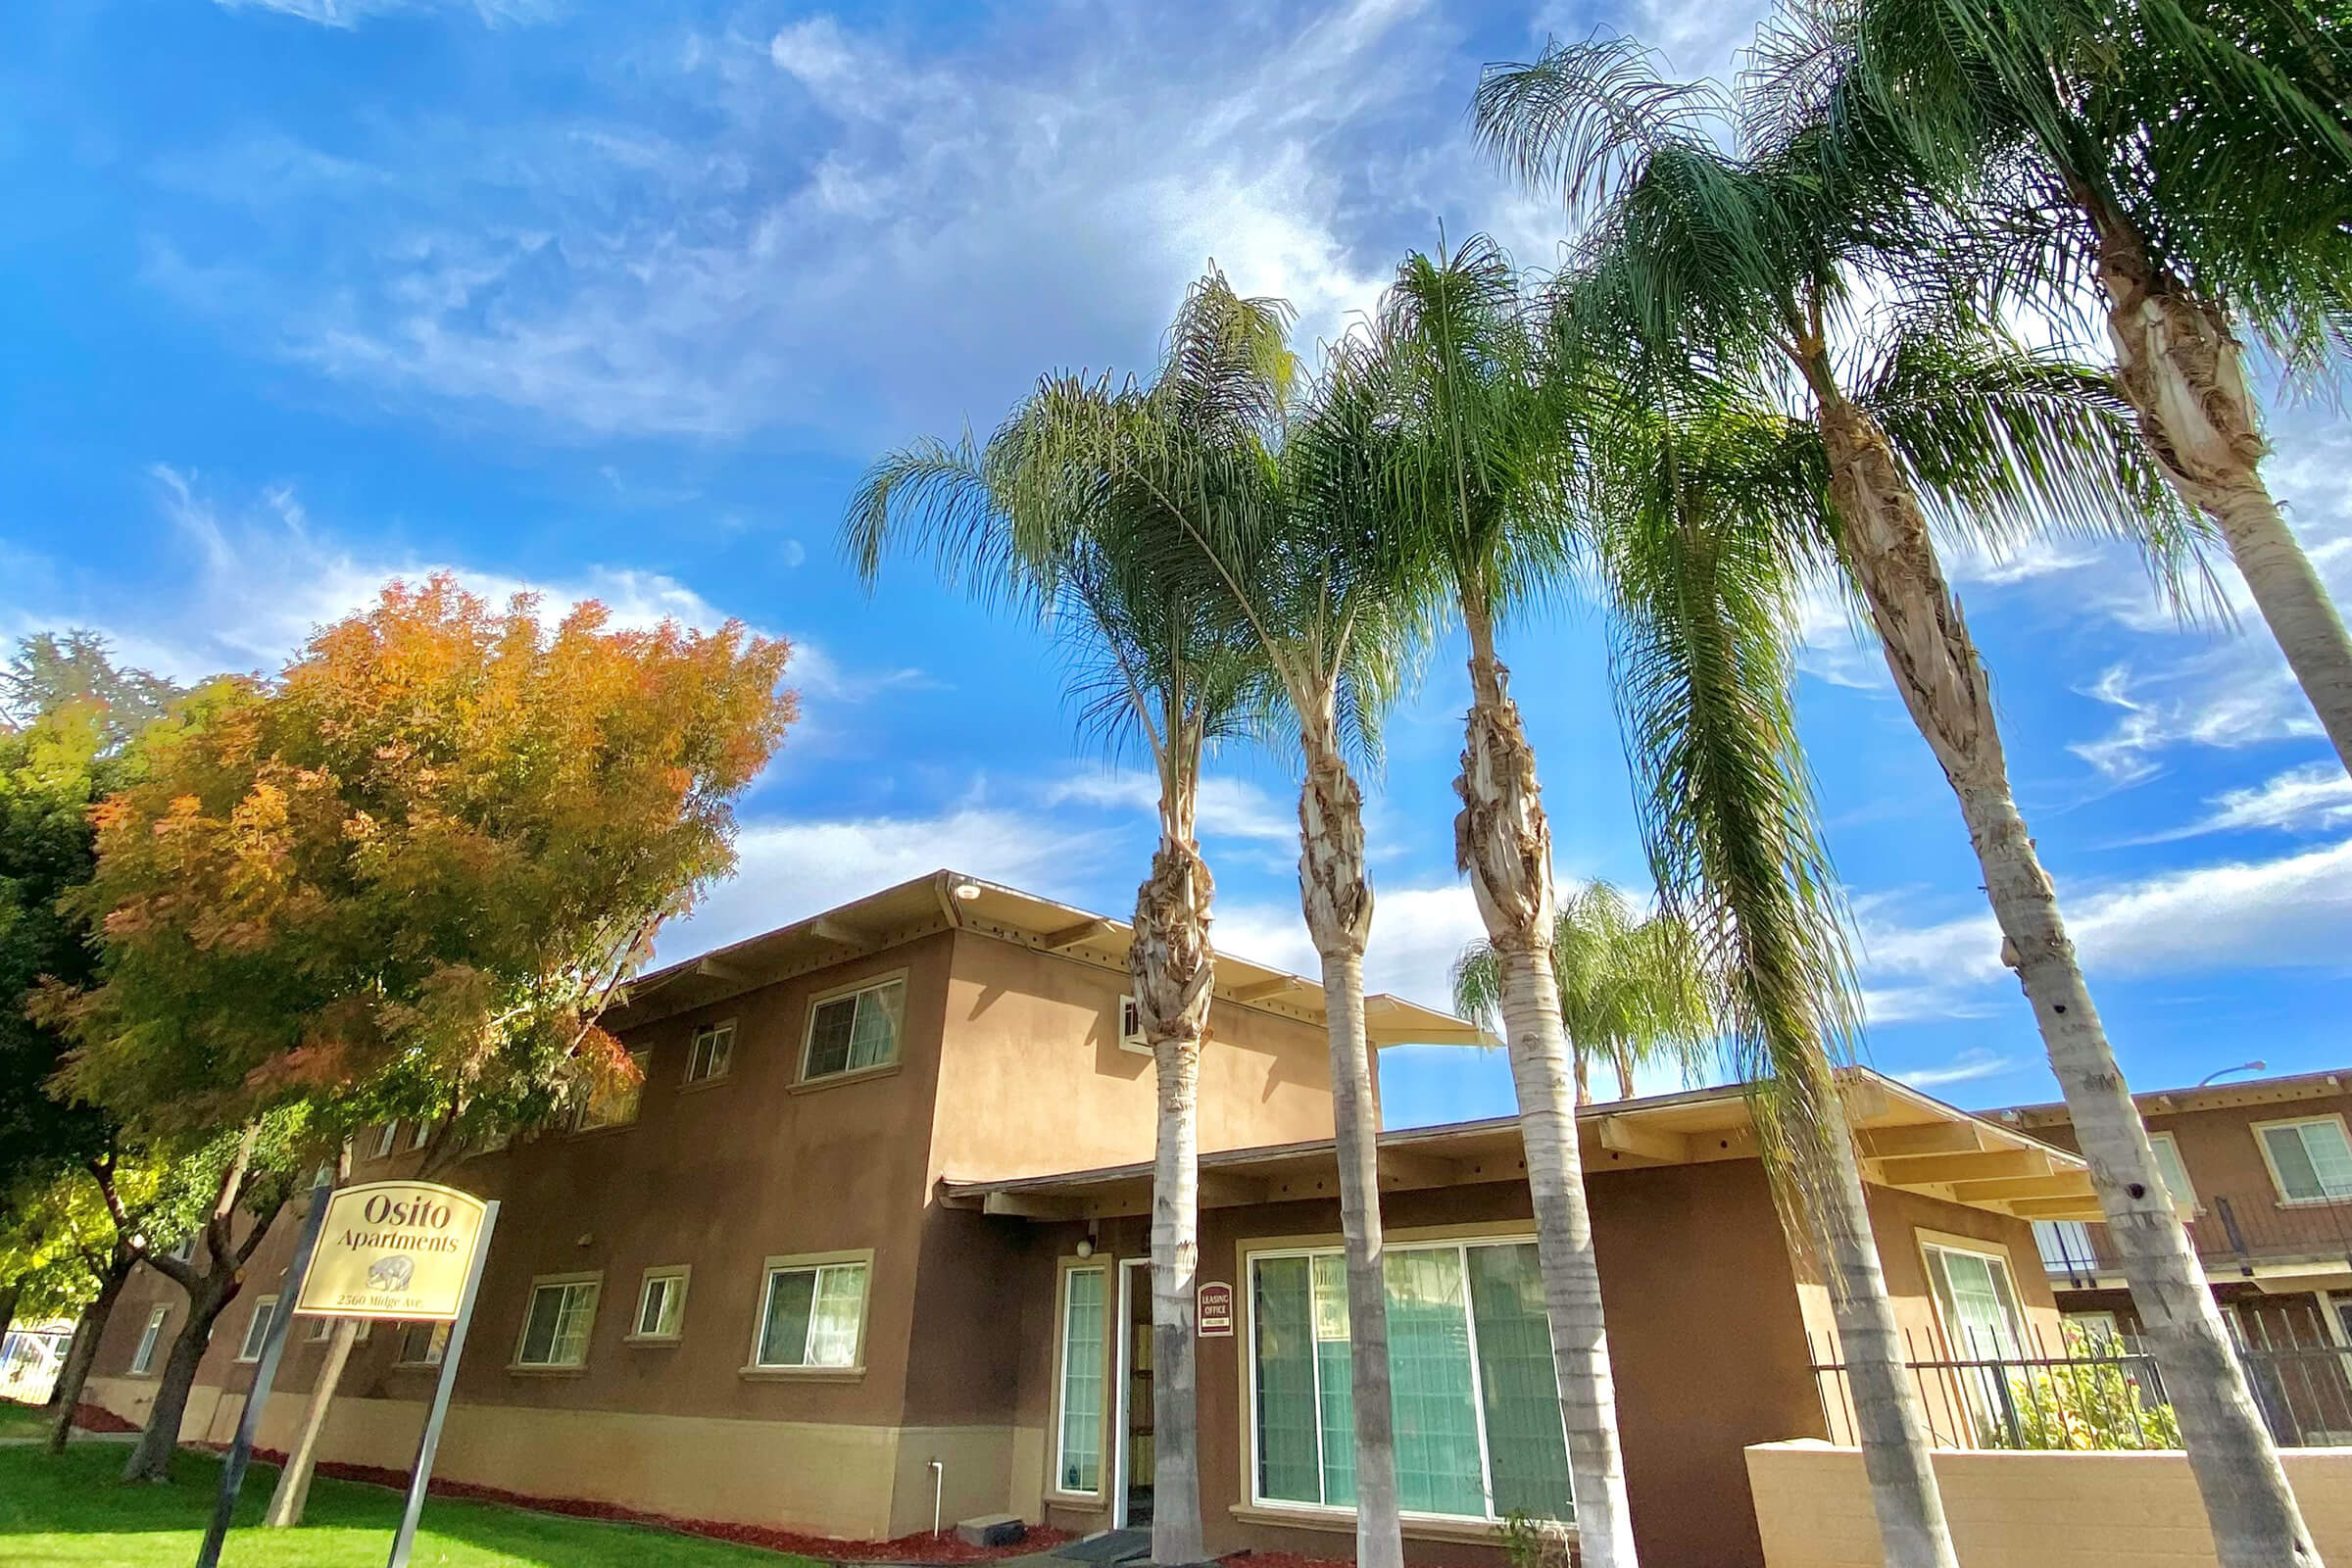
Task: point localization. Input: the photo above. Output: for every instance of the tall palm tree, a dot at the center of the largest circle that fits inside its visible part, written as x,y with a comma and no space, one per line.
1748,261
2188,159
1285,530
1633,990
1473,452
1034,518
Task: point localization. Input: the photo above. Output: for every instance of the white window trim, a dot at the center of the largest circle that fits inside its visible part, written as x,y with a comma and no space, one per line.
694,1046
681,1274
1071,1268
249,1352
2196,1205
400,1357
2278,1184
151,1339
421,1133
595,1278
797,1263
386,1137
1933,1241
898,1045
1131,1028
1400,1242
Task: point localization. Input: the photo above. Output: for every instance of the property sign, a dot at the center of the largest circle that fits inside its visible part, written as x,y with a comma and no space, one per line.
393,1249
1214,1310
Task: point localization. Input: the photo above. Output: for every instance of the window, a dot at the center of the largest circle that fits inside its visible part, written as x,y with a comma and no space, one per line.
661,1304
322,1329
1479,1434
555,1332
256,1329
142,1360
386,1140
616,1105
713,1049
1078,1464
811,1315
2174,1172
2065,1247
1131,1028
184,1250
424,1344
418,1132
2310,1159
1976,1303
854,1032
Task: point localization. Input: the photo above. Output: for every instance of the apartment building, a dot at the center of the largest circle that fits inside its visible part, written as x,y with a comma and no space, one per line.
2261,1173
867,1248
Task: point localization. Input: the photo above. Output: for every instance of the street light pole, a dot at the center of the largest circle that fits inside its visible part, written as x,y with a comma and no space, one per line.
2243,1066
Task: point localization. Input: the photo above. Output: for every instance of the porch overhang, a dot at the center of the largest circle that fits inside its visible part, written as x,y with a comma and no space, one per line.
1905,1139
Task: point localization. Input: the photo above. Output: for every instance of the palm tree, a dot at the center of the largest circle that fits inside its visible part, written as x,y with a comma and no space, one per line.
1034,518
1474,451
1633,991
1708,260
1285,529
2190,161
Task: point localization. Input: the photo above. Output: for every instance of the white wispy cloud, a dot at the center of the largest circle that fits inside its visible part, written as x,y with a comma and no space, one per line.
349,14
2302,800
1230,808
1966,1067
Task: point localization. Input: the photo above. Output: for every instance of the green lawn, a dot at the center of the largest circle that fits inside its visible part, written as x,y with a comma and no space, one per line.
69,1511
21,1420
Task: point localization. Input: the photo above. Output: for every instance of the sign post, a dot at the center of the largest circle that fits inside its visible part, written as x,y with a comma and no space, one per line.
249,1421
418,1476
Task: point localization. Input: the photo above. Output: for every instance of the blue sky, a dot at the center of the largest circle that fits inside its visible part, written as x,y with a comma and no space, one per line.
296,295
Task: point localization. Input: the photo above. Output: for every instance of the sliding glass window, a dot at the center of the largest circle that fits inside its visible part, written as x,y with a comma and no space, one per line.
1477,1409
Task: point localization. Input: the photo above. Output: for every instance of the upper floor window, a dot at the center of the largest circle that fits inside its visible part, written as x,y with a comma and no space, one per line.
713,1049
616,1105
142,1360
387,1138
661,1303
2175,1173
1976,1303
2310,1158
424,1344
855,1030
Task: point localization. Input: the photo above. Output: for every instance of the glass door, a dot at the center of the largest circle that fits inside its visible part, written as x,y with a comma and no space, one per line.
1132,1503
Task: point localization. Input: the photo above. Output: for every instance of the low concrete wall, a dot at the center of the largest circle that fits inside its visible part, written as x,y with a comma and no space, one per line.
2028,1509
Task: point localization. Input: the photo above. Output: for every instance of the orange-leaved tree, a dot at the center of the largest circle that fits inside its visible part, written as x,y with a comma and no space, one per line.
407,875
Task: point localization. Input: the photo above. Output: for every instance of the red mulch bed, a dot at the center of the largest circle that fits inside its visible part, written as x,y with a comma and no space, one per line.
97,1418
926,1547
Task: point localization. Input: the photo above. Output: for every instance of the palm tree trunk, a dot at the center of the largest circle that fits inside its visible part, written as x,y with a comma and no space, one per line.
2179,367
1336,897
1173,969
1936,667
1504,841
82,1353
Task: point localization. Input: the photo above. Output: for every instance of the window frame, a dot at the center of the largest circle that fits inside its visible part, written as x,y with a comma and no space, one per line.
1103,1458
594,1279
421,1133
1132,1041
679,1275
249,1352
898,1044
433,1329
810,1262
1457,1238
142,1354
387,1137
2269,1164
2191,1203
1933,1241
693,1047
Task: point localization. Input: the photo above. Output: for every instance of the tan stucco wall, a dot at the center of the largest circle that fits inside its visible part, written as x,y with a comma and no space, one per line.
2029,1510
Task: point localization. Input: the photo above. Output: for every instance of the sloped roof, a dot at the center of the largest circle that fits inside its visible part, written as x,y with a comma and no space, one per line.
947,899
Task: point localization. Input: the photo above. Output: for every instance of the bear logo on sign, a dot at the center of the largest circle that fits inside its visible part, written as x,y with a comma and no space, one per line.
391,1274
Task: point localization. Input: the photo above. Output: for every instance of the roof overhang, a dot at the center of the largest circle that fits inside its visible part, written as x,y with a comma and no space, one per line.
2280,1091
944,900
1906,1140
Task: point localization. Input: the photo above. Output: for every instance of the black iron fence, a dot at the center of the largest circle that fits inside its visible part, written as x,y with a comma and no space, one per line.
2087,1393
2233,1235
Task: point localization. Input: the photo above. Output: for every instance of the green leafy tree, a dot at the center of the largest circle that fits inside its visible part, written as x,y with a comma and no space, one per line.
1041,517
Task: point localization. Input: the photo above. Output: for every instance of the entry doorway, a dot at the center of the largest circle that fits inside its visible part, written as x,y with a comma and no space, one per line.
1131,1498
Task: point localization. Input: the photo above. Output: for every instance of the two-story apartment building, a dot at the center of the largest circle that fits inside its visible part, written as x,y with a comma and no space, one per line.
866,1248
2261,1172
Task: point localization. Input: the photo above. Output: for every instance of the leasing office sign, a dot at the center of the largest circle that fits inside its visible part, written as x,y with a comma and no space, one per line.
393,1249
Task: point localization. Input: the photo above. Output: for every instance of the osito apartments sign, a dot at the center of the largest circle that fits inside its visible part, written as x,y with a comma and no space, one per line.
393,1249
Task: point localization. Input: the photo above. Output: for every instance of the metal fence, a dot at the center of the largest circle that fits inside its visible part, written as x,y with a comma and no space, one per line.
2231,1234
2102,1393
29,1361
